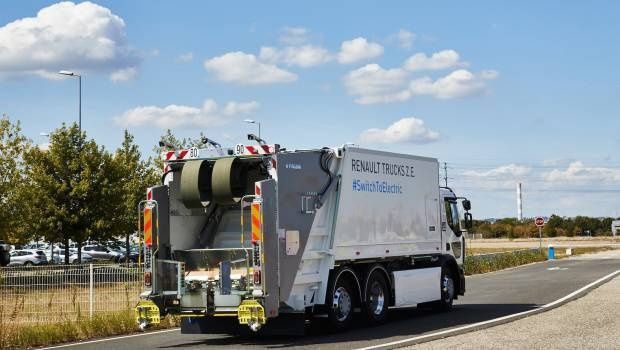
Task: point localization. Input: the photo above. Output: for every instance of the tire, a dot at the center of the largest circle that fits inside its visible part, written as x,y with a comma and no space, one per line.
377,298
448,290
28,263
341,302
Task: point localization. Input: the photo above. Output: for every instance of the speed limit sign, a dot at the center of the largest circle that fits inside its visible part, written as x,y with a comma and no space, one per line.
539,221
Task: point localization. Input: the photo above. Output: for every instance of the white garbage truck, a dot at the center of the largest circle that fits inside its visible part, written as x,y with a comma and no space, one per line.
260,238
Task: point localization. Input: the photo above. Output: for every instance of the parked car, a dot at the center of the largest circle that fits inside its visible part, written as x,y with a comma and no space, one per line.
133,256
73,257
28,257
99,252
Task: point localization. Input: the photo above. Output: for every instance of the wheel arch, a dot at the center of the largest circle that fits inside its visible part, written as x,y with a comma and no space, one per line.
347,271
385,273
450,262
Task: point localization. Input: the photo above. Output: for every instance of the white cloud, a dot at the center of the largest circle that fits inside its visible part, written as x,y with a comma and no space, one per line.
460,83
578,173
302,56
510,170
404,38
82,37
439,60
358,49
294,35
186,57
406,130
242,68
177,116
373,84
124,74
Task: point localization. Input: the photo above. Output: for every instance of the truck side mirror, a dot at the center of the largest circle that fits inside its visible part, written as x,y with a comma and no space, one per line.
466,204
468,221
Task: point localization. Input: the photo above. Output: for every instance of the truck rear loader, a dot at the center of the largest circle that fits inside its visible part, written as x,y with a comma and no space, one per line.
262,238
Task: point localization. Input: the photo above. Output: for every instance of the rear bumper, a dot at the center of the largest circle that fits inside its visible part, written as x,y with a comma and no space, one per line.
284,324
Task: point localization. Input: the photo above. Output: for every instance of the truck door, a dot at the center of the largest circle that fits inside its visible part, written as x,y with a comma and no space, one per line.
451,227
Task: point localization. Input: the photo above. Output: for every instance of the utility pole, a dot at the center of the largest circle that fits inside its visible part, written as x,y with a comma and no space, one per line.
445,173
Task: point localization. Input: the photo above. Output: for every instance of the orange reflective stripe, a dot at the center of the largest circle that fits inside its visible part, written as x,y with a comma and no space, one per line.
257,224
148,227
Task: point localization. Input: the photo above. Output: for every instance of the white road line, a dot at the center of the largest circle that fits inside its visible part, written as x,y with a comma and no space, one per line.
111,339
503,318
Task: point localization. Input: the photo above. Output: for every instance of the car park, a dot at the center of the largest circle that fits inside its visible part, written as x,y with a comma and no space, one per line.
28,257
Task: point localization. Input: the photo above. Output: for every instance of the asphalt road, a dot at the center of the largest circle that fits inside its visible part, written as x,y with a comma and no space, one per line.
488,296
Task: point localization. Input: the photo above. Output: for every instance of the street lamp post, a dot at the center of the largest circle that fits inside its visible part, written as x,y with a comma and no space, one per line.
251,121
73,74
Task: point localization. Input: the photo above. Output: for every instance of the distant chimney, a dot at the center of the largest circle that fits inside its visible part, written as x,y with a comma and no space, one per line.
519,202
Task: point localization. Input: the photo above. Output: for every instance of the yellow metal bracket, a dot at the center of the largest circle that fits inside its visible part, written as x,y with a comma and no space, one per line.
251,312
147,313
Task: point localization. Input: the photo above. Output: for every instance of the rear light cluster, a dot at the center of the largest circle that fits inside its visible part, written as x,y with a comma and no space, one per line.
147,279
257,279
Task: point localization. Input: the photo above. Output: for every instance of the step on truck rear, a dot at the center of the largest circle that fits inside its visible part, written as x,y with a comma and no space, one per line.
258,237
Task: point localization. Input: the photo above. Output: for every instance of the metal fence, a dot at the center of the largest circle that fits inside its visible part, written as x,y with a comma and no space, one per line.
43,294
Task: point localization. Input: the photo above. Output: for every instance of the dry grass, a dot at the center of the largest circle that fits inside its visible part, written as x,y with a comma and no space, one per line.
21,336
560,253
478,251
67,304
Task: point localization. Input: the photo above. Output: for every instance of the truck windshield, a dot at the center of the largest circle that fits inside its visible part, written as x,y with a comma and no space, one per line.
452,215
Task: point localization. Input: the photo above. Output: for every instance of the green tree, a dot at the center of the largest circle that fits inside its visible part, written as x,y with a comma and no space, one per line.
553,224
12,182
71,189
169,139
135,175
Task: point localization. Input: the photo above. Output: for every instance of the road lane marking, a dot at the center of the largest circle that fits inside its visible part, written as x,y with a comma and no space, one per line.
557,268
479,325
110,339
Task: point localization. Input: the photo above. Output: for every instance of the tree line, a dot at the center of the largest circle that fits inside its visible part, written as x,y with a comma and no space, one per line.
555,226
73,189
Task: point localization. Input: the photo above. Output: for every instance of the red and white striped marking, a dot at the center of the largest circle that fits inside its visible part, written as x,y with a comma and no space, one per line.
175,155
260,149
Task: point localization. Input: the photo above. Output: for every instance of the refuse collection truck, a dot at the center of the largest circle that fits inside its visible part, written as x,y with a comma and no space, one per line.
263,238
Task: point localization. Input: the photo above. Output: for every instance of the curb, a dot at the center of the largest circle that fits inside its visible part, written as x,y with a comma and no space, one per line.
496,321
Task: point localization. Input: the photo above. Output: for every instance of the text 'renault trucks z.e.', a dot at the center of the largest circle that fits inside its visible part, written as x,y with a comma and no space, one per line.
268,238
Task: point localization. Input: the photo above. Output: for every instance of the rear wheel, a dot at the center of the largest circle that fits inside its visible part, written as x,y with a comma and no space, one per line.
377,298
28,263
341,303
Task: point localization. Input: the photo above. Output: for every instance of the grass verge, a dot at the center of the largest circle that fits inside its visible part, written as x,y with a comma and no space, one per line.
22,336
477,264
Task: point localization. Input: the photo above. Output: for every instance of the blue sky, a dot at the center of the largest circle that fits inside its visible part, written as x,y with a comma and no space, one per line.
502,92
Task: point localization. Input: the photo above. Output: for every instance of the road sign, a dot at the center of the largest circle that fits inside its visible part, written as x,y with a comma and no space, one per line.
539,221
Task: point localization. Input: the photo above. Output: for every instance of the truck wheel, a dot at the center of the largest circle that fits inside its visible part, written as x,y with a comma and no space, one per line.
448,290
341,304
377,298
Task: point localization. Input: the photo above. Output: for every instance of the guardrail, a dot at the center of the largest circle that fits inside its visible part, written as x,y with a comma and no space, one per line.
52,293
